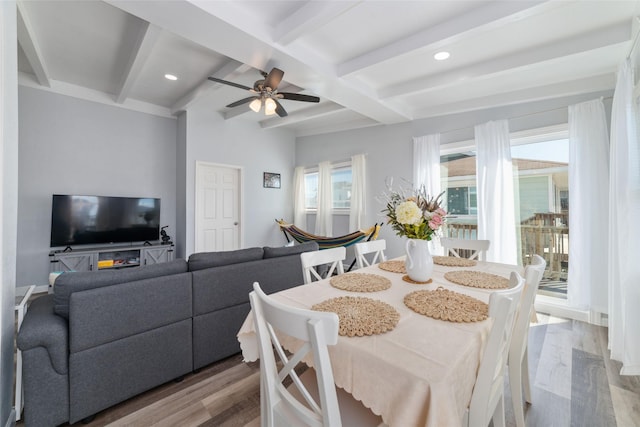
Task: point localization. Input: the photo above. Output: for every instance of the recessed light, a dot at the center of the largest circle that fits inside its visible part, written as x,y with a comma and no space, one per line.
441,56
170,77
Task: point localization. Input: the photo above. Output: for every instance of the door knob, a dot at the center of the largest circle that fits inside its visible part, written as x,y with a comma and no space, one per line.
235,223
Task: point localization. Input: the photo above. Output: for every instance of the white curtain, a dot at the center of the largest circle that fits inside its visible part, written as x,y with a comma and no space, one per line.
426,171
426,163
624,229
324,218
496,205
299,211
588,206
358,192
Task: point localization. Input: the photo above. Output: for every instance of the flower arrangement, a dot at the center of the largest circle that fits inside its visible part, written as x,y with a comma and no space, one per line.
415,214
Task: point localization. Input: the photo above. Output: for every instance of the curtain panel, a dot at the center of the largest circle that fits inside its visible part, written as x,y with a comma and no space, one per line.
358,192
324,218
496,204
588,201
426,163
299,211
624,211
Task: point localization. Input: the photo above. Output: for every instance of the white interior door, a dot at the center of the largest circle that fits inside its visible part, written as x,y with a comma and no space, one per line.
217,222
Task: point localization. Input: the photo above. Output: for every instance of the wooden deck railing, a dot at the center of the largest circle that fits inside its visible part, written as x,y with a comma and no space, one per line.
549,241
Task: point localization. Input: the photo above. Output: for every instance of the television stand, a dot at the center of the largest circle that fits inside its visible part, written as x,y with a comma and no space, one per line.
109,257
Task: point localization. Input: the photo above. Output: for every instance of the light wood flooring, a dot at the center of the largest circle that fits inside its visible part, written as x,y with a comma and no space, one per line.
575,384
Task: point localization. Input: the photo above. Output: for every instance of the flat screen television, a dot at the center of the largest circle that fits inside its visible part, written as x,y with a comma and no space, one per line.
86,220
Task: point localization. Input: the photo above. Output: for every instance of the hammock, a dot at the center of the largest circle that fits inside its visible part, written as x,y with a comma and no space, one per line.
302,236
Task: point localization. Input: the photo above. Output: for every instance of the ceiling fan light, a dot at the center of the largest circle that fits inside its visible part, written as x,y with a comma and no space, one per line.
270,107
255,105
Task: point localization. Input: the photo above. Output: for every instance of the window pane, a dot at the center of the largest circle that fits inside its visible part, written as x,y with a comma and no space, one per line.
458,179
543,177
311,190
341,182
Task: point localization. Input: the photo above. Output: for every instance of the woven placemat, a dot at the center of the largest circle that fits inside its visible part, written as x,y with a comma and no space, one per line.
477,279
360,282
452,261
408,279
393,266
361,316
447,305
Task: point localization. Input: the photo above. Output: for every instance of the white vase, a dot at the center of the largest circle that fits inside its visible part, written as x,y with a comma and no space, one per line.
419,263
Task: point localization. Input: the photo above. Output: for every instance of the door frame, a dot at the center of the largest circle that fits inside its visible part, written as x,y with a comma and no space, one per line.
196,222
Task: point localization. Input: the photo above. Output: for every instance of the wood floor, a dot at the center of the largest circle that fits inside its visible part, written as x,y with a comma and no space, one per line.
574,384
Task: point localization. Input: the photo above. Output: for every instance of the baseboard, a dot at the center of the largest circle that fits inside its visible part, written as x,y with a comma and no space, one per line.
558,307
11,421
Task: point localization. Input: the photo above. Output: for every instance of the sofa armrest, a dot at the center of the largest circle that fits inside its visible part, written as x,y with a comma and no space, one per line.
43,328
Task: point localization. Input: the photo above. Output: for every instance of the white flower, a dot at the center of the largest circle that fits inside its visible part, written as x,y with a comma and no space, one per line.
408,213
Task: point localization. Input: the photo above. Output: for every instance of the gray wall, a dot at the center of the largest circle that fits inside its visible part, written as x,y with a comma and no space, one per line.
242,143
72,146
389,149
8,202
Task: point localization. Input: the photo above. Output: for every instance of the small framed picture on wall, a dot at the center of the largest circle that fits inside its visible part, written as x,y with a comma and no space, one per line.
271,180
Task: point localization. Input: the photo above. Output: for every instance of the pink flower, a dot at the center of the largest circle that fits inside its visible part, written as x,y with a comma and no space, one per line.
441,212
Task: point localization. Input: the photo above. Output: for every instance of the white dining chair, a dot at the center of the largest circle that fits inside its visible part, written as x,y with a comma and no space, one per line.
477,247
312,398
375,247
518,355
332,257
487,399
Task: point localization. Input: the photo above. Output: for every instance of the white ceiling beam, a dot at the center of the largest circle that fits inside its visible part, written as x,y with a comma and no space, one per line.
303,115
30,46
140,50
229,67
603,37
309,17
81,92
494,14
338,127
591,84
250,44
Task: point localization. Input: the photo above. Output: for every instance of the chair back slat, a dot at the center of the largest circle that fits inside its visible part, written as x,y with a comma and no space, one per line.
476,249
375,247
312,260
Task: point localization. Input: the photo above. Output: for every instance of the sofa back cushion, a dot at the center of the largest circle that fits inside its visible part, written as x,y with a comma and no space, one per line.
111,313
68,283
202,260
229,285
290,250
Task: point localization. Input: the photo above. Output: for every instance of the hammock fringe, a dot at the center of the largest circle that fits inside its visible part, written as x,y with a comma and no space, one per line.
302,236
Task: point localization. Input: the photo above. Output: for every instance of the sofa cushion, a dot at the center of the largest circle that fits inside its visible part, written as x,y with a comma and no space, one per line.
202,260
71,282
290,250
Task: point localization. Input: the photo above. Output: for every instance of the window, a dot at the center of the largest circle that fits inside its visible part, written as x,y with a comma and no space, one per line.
340,183
541,162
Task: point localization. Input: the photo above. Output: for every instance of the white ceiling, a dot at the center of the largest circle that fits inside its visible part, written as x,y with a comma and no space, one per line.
370,62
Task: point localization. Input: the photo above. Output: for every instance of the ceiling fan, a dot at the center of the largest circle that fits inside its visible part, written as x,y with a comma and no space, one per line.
265,92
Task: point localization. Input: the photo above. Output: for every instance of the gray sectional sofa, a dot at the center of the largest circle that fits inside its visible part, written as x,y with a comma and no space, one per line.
103,337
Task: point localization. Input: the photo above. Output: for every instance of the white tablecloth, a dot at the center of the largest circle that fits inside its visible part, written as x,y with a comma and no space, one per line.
420,374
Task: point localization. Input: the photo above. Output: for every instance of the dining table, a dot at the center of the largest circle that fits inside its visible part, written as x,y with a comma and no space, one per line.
420,372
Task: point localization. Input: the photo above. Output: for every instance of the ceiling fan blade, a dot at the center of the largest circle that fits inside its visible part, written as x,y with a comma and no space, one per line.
224,82
280,109
274,78
242,101
299,97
